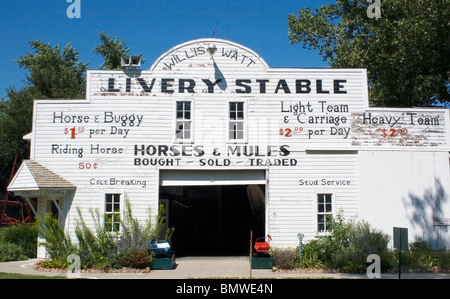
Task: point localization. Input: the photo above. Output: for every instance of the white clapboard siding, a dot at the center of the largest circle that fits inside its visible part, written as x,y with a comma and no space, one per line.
405,189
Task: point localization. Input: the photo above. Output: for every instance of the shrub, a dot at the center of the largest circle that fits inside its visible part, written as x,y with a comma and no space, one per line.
347,247
56,241
95,245
364,241
442,260
422,257
314,254
99,247
136,258
11,252
23,235
284,258
134,235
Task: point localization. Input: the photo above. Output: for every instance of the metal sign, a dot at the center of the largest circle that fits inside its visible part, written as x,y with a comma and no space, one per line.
400,238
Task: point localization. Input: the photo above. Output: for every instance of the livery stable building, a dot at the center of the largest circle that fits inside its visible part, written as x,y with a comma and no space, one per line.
230,145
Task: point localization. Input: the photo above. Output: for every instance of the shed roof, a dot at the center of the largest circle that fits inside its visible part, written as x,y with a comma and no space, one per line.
33,176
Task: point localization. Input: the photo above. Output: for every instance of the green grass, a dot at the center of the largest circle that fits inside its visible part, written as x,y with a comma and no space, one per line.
22,276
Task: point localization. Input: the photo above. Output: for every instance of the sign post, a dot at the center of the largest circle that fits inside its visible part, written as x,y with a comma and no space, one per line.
400,243
251,253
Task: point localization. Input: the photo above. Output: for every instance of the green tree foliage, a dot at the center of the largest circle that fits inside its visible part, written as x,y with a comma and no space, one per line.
406,51
111,51
15,122
54,74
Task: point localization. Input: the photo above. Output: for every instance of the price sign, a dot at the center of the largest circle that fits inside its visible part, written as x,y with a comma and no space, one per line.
87,165
288,131
74,131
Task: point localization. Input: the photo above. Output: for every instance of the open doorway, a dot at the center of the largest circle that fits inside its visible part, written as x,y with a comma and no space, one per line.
214,220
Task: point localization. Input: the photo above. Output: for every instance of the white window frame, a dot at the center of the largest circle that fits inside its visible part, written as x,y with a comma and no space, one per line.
114,214
332,213
244,121
191,121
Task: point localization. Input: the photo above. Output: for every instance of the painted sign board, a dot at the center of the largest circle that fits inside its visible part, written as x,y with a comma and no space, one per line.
52,192
400,238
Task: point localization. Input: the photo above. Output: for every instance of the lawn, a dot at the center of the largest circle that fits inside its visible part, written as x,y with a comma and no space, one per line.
21,276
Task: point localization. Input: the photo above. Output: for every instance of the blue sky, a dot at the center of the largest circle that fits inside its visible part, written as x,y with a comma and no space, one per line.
150,27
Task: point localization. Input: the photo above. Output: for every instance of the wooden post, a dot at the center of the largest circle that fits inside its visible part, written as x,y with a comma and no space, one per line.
251,254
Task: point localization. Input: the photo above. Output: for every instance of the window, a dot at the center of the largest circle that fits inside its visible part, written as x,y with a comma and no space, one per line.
184,121
324,212
236,121
112,212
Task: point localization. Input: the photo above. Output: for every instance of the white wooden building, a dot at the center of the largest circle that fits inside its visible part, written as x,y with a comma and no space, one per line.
231,145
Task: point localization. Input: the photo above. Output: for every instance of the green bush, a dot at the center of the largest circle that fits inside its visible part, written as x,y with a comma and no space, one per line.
11,252
442,260
346,248
56,241
284,258
136,258
312,255
95,246
23,235
422,257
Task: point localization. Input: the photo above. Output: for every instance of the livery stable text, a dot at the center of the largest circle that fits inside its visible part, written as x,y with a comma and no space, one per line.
168,85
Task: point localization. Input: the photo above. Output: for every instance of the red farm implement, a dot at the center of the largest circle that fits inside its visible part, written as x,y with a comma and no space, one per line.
14,211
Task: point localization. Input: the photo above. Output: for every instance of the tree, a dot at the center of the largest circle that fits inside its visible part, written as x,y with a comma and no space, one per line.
406,51
111,50
15,116
15,122
54,74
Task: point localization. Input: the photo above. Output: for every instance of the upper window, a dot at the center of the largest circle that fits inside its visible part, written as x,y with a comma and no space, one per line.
236,128
184,121
324,212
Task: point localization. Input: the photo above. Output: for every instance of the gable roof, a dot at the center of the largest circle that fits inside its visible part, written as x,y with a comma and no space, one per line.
33,176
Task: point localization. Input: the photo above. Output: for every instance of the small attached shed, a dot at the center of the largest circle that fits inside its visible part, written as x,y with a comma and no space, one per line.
45,192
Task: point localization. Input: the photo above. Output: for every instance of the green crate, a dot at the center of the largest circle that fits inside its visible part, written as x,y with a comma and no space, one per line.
163,263
262,262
